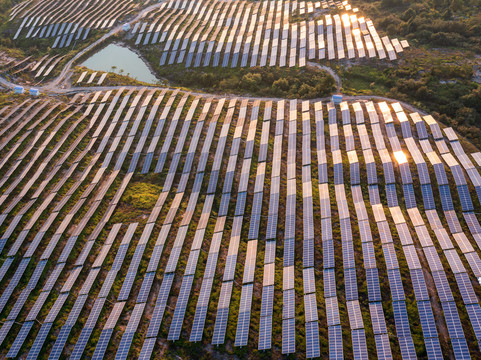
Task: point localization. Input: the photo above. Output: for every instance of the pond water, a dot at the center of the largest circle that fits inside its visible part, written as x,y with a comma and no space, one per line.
123,59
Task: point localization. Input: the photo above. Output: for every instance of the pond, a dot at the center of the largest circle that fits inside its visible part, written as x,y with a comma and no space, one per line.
121,60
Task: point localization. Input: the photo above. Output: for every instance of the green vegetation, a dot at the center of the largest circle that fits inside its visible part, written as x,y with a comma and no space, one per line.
141,195
266,81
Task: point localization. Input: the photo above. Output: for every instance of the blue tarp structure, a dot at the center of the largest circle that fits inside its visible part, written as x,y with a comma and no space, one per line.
336,99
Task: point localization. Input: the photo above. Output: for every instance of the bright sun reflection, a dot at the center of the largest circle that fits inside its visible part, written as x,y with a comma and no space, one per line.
400,157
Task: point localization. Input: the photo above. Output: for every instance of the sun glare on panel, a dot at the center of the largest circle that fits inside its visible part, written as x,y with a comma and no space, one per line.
400,157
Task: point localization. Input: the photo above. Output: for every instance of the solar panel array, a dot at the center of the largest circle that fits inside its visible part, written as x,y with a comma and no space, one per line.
427,320
454,262
67,22
213,33
75,271
401,316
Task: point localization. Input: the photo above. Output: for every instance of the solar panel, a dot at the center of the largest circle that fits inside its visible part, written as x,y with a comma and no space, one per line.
326,229
433,259
409,197
329,282
350,284
368,255
401,319
267,300
377,318
288,336
355,316
373,288
309,281
338,174
460,348
348,254
243,320
423,173
405,173
466,288
465,198
453,322
458,175
474,313
383,347
20,339
404,234
222,314
288,310
395,282
472,222
332,311
308,253
365,230
474,263
374,195
269,251
419,285
323,177
391,195
440,174
359,346
446,199
427,319
421,129
411,257
289,252
265,332
312,339
388,173
390,256
442,286
102,344
39,340
310,306
428,198
433,348
371,173
178,317
355,175
335,342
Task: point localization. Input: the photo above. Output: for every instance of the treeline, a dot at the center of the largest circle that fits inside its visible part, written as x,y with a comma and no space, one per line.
431,22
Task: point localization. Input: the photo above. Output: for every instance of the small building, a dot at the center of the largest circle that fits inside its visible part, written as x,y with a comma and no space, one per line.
336,99
126,27
34,92
19,89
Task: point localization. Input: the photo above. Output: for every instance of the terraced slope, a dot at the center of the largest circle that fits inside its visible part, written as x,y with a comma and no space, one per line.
134,216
